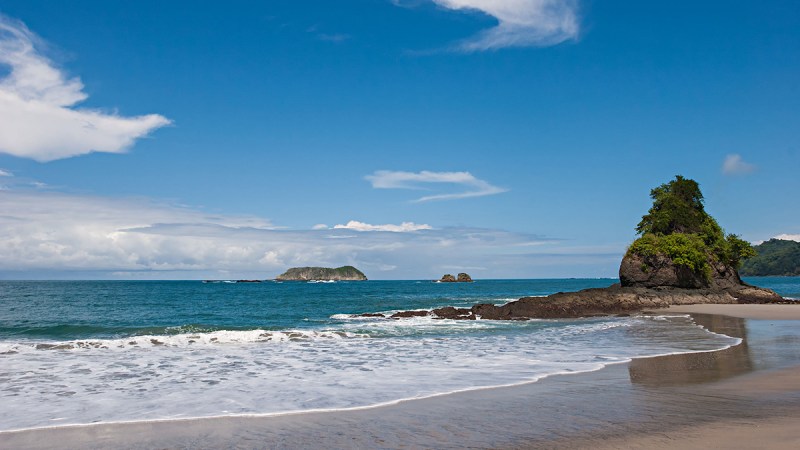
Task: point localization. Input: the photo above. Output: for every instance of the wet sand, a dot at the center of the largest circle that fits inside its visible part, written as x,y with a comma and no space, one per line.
743,397
763,312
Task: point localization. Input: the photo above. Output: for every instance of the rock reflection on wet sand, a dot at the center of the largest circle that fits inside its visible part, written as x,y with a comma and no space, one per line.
698,367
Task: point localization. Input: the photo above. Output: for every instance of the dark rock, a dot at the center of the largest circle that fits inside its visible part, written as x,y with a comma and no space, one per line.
464,278
404,314
752,294
449,312
614,300
371,315
660,271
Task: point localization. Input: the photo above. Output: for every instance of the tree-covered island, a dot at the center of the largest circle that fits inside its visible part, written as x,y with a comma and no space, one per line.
680,244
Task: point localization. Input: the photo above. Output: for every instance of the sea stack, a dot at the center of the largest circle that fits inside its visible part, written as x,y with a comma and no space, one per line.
681,257
462,278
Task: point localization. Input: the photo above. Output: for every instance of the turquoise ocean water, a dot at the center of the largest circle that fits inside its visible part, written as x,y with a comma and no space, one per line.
76,352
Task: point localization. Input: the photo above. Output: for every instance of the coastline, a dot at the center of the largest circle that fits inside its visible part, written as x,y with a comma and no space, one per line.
743,311
731,390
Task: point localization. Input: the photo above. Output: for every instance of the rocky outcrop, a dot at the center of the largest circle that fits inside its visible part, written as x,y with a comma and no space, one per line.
345,273
618,300
660,271
407,314
449,312
650,283
614,300
462,278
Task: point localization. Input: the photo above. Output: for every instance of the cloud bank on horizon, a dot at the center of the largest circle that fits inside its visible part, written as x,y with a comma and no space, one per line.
35,96
521,23
405,227
51,233
389,179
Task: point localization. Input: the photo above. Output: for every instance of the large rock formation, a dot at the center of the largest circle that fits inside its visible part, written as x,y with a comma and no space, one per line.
682,257
345,273
660,271
613,300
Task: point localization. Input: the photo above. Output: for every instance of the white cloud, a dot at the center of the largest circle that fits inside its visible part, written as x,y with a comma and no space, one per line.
387,179
319,226
37,115
404,227
735,165
788,237
521,23
54,235
5,173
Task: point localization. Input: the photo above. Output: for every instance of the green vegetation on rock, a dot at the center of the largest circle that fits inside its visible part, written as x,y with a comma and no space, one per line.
776,257
677,227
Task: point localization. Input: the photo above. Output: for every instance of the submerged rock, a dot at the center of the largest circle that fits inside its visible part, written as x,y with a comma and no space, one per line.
406,314
449,312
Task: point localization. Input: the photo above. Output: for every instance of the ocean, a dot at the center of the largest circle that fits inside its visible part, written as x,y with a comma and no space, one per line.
80,352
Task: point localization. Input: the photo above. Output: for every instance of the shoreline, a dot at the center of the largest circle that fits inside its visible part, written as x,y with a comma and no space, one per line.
742,311
566,410
386,404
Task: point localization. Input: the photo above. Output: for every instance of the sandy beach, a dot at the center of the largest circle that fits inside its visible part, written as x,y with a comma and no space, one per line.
744,311
741,397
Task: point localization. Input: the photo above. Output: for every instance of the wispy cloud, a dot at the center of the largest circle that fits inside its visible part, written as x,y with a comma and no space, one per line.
38,118
404,227
521,23
333,37
56,234
328,37
735,165
387,179
5,173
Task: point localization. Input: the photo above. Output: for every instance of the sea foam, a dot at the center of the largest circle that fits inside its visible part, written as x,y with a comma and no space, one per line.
357,363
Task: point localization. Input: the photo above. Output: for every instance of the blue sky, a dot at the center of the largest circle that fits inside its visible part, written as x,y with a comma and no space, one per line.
505,138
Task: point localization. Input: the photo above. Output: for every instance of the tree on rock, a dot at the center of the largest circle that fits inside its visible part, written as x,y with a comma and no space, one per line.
681,245
677,208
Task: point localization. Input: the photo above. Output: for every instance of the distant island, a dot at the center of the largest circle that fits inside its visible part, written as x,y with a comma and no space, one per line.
344,273
462,278
775,257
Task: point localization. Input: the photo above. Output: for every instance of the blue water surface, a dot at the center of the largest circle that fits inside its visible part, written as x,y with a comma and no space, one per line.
65,310
106,309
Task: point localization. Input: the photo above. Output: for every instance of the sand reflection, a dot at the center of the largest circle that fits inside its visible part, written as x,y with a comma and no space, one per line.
698,367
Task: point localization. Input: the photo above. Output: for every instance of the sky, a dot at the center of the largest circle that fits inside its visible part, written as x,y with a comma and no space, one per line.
410,138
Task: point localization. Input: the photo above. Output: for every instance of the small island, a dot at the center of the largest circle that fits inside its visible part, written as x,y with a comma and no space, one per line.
344,273
462,278
682,256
